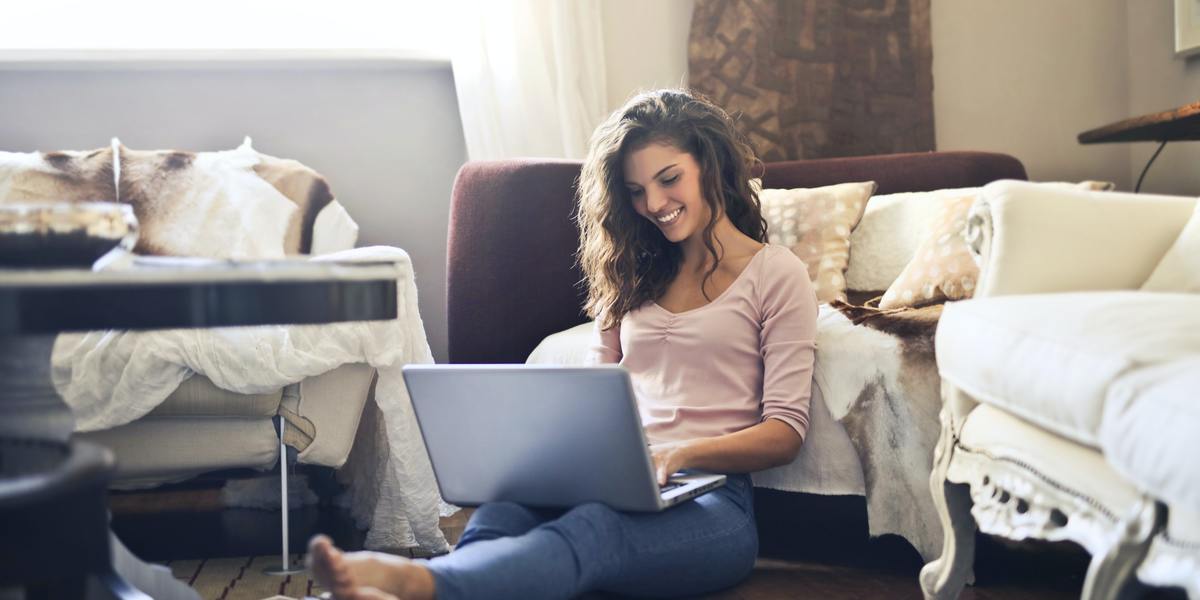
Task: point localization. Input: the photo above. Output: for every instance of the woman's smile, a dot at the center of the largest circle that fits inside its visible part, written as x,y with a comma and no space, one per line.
669,218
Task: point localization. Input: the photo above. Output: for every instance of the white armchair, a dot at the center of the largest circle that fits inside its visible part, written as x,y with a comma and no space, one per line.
1070,406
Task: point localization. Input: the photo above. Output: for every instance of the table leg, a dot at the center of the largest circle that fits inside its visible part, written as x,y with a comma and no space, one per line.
53,492
29,406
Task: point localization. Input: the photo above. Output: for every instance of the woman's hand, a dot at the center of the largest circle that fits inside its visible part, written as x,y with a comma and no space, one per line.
768,444
670,458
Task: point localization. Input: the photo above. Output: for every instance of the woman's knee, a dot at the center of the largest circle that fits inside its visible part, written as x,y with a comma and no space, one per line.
701,566
596,516
591,528
498,519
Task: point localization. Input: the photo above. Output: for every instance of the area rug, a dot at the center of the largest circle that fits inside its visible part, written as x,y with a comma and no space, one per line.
243,578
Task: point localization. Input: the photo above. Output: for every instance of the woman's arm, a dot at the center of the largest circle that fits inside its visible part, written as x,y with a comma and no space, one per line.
769,444
605,345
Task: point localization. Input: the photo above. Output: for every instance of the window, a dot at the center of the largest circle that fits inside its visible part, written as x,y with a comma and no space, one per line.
417,27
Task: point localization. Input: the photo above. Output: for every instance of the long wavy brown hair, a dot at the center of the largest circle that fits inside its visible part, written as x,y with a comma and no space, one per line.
626,260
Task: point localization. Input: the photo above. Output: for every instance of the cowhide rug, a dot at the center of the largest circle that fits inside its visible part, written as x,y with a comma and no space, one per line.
248,204
877,372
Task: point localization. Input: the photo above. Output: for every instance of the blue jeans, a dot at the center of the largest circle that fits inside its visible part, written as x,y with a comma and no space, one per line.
510,551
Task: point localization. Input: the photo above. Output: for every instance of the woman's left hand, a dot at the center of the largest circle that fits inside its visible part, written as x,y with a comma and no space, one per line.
669,459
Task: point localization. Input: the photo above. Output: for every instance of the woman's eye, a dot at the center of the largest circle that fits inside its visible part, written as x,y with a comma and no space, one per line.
635,193
670,180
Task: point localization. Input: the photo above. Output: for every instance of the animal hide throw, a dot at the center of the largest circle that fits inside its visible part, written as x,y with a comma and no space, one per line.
247,204
877,372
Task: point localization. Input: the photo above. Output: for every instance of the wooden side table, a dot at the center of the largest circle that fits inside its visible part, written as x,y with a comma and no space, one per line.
1177,124
52,489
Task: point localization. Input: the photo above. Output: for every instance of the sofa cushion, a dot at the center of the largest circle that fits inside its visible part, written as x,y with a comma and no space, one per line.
569,347
1179,269
1050,358
324,411
1052,459
151,452
197,396
1150,426
887,237
815,224
942,268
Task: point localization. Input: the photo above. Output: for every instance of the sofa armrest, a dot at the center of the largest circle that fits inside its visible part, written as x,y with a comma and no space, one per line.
324,411
1038,239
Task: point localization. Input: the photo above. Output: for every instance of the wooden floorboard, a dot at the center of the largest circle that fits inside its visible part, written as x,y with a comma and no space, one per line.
822,552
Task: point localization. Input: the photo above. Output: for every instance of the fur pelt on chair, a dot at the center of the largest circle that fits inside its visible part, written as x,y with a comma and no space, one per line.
164,185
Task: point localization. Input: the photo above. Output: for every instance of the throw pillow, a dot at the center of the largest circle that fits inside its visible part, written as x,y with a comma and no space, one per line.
942,268
815,224
1179,269
887,238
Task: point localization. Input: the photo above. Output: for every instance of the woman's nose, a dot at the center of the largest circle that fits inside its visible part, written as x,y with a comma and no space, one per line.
656,200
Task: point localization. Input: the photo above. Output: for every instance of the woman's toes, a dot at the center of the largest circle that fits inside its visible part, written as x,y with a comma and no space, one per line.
328,566
370,593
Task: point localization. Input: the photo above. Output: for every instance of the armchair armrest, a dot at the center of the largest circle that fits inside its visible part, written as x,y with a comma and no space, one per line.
1037,239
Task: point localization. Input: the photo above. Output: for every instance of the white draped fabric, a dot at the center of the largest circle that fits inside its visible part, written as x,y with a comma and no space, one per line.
529,76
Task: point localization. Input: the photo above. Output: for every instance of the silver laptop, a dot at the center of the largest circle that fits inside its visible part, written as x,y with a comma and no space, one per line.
540,436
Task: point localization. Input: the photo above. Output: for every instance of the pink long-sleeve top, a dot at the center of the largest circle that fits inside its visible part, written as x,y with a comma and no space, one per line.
744,357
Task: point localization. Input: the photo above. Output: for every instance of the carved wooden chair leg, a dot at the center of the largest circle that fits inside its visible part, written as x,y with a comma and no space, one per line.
944,578
1111,574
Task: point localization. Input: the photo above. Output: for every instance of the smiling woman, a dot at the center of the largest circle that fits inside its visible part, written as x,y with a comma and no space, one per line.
716,330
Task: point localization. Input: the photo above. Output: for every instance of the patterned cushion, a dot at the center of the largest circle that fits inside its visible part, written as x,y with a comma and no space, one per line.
815,224
943,268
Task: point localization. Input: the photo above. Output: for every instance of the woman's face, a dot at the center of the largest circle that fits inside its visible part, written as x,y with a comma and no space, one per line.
664,184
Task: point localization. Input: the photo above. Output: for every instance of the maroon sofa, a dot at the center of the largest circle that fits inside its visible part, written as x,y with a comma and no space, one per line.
512,282
510,261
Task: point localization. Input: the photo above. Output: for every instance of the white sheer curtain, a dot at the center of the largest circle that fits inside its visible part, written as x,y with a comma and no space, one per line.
530,76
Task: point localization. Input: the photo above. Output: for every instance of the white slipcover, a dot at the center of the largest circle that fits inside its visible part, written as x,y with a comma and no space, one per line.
1051,358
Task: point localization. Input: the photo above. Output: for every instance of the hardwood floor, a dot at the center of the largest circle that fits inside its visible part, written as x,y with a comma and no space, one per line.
815,549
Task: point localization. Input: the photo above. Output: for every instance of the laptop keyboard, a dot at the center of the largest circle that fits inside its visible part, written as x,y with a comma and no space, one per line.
670,486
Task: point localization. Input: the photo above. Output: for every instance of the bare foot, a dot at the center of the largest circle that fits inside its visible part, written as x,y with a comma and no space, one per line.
367,575
370,593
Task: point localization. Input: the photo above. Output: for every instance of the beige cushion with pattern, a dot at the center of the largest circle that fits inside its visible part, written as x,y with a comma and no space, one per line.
815,224
942,267
887,238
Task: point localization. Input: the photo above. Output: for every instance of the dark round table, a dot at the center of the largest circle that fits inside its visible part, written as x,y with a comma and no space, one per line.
54,536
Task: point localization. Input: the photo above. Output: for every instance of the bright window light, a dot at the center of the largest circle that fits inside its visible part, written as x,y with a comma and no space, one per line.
410,25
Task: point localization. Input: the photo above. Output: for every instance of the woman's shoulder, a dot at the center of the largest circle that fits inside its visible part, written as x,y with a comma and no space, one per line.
781,268
781,260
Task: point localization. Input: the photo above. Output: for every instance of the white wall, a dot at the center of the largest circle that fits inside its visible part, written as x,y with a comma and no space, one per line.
388,139
1158,80
645,46
1025,77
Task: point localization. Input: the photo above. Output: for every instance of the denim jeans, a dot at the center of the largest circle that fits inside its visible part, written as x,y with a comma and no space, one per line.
511,551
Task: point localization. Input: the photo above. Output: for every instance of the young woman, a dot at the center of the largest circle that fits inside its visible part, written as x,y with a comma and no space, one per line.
716,328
